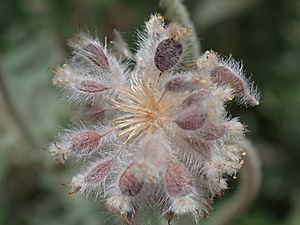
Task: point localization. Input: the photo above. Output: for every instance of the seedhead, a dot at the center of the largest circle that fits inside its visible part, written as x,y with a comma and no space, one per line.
156,135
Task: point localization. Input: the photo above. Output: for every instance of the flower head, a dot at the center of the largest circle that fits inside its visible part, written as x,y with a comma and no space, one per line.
160,133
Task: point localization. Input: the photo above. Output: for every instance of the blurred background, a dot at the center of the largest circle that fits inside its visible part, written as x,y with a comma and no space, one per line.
264,34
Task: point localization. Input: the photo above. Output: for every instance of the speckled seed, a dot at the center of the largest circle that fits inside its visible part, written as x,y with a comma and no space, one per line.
85,142
212,131
178,180
97,56
99,172
190,119
177,84
91,87
129,184
167,54
223,76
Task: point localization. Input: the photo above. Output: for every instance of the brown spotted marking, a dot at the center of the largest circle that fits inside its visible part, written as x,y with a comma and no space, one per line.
99,172
190,118
129,184
97,55
223,76
91,87
178,180
167,54
85,142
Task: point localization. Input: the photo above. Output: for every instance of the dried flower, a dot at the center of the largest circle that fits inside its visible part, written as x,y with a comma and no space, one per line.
159,133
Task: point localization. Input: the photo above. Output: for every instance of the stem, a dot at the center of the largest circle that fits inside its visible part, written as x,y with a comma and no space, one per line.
177,11
15,115
208,13
247,189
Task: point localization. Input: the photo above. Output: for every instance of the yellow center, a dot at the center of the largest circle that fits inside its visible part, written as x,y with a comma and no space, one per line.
142,108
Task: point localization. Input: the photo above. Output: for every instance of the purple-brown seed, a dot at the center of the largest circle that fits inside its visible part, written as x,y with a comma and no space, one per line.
167,54
97,55
212,131
190,118
178,180
99,172
129,184
224,76
91,87
85,142
177,84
